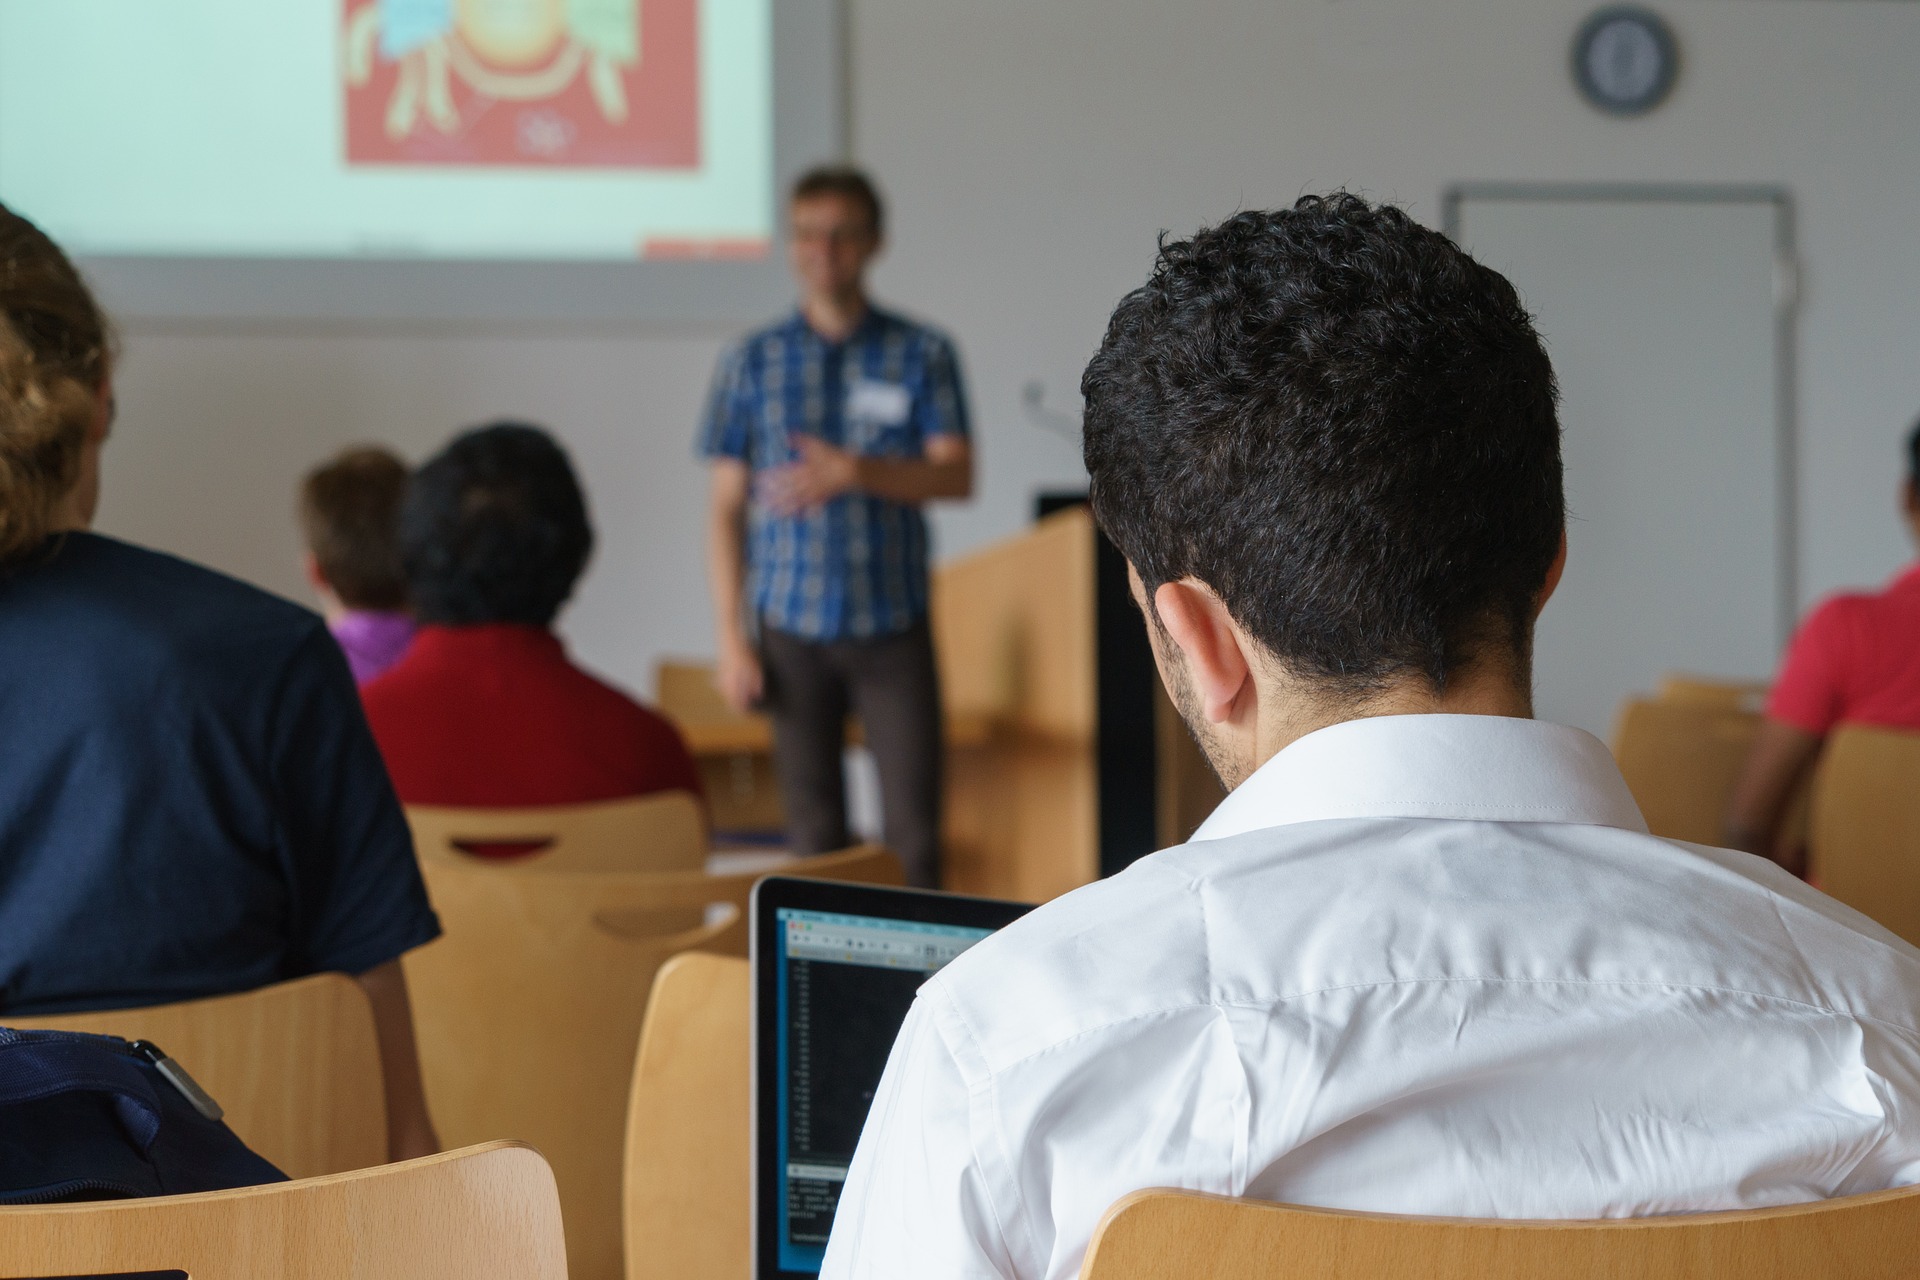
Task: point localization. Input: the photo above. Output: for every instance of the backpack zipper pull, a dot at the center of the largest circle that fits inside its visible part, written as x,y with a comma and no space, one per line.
176,1075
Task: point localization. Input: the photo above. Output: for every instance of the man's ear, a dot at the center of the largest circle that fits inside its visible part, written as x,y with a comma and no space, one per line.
310,565
1554,572
1202,629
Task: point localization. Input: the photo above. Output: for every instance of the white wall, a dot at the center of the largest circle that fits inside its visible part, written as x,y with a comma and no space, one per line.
1032,152
215,430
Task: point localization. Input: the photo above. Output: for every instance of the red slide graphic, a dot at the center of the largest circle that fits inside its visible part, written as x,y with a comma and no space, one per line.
546,83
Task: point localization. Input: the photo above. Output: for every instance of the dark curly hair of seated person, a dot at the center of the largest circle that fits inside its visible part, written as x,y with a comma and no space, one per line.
494,529
1347,428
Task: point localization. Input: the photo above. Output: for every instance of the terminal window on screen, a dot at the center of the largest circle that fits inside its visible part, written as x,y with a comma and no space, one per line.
845,985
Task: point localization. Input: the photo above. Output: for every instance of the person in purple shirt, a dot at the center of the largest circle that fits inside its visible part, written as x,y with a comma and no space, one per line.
349,512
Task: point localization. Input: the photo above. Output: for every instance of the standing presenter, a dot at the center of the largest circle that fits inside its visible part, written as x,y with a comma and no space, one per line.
826,433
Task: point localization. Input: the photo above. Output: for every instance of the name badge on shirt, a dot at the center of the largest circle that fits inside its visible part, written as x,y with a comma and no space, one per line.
883,404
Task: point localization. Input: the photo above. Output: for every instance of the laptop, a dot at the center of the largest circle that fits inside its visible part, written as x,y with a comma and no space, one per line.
835,968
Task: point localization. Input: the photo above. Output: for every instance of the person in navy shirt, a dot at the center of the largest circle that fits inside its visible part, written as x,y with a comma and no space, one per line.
192,803
825,433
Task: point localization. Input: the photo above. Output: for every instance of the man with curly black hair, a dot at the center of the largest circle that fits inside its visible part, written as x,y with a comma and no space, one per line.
486,709
1425,957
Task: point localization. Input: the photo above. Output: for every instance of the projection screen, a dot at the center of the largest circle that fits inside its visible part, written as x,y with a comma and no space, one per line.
456,159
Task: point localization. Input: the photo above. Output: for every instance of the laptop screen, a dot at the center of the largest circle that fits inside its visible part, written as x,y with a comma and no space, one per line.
844,984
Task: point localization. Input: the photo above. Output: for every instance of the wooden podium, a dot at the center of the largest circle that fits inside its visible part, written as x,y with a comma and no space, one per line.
1035,639
1014,628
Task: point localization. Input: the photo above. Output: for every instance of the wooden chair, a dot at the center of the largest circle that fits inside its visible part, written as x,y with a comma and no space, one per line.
687,1182
1681,760
1172,1235
486,1213
1734,695
296,1066
867,864
733,751
1866,824
686,695
528,1010
666,831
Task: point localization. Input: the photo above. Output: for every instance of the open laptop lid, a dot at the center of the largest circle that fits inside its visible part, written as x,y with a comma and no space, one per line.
835,968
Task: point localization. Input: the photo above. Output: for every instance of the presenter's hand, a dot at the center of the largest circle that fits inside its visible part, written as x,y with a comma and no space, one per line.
738,675
820,474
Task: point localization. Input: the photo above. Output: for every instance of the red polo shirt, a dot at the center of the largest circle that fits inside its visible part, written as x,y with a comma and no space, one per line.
1855,660
496,717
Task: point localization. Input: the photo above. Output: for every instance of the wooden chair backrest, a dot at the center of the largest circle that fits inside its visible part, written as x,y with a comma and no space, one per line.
687,1184
665,831
1734,695
296,1066
486,1213
528,1009
1172,1235
1680,760
867,864
1866,824
686,694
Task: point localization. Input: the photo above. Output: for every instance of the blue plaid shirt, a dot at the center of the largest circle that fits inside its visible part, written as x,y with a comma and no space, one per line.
856,567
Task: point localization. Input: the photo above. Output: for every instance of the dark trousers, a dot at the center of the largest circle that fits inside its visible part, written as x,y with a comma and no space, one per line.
890,683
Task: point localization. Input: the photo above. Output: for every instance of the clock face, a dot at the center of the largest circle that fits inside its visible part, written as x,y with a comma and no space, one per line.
1625,60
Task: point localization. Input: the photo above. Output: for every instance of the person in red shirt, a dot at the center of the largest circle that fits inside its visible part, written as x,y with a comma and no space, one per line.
486,710
1855,660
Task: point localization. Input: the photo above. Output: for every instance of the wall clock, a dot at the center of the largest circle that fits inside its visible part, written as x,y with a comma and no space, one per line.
1625,60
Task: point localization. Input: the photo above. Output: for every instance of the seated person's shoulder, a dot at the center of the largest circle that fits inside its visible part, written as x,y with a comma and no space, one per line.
1849,625
1129,947
650,748
1842,610
621,707
146,604
1159,939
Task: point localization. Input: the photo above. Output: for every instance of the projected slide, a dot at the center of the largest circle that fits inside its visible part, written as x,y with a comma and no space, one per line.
426,79
463,129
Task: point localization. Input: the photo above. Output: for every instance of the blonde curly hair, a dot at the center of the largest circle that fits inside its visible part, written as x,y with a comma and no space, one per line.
55,347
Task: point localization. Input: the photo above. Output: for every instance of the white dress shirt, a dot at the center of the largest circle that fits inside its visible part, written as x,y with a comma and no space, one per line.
1414,964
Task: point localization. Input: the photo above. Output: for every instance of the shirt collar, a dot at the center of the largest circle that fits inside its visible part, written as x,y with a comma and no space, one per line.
870,320
372,625
490,638
1470,768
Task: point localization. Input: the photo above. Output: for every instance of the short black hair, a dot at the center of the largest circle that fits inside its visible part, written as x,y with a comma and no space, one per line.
1346,427
494,528
847,182
1913,456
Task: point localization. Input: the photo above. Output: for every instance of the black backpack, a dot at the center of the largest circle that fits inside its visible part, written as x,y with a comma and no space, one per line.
85,1117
